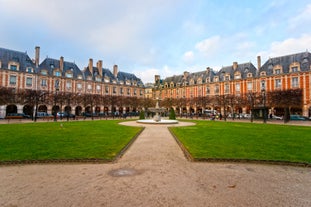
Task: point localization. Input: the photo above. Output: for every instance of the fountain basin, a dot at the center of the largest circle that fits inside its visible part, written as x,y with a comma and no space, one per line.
162,121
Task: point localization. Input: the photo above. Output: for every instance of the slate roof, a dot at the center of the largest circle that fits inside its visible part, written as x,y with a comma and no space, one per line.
50,64
303,58
22,58
243,68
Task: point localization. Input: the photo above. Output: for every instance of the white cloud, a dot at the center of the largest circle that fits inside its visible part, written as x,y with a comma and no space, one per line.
188,56
209,46
288,46
147,75
302,19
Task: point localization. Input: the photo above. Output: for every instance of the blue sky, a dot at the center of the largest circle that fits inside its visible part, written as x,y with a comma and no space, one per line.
157,37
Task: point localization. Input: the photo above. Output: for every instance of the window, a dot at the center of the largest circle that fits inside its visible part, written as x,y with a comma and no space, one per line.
43,82
79,86
141,92
278,83
98,79
57,73
114,90
12,80
135,92
295,83
216,89
277,71
249,86
227,77
121,90
227,88
98,87
80,77
263,85
263,73
128,91
69,75
89,87
44,72
52,66
29,70
294,69
237,76
207,90
107,89
13,67
28,81
68,84
237,87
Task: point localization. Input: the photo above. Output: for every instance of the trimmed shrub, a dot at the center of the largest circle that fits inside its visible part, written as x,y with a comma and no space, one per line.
172,114
142,115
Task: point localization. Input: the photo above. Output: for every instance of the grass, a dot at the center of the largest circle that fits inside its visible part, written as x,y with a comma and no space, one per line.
73,140
234,140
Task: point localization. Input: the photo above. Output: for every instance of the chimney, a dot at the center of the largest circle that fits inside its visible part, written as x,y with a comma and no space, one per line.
186,74
235,65
61,63
37,55
258,62
91,65
208,69
157,79
115,70
100,67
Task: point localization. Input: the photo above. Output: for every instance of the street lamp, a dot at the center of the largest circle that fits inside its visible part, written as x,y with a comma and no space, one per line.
55,98
263,93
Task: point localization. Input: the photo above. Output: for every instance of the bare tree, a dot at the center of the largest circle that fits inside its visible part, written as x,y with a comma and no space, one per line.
286,99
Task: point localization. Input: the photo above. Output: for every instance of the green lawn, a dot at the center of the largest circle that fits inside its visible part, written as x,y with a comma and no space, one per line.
73,140
234,140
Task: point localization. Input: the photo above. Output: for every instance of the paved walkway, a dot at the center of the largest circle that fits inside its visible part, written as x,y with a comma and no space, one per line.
154,172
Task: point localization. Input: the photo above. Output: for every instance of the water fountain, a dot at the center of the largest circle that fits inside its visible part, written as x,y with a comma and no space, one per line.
157,117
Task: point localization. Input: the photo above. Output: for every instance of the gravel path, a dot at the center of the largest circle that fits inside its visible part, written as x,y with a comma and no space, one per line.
154,172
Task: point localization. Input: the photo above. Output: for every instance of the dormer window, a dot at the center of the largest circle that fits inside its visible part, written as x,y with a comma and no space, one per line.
277,71
79,77
106,79
227,77
69,75
13,67
249,75
294,69
262,73
89,78
216,79
237,76
29,70
98,78
52,66
44,72
57,73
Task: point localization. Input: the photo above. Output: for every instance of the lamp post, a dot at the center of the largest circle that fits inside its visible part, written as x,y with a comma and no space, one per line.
55,99
263,93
